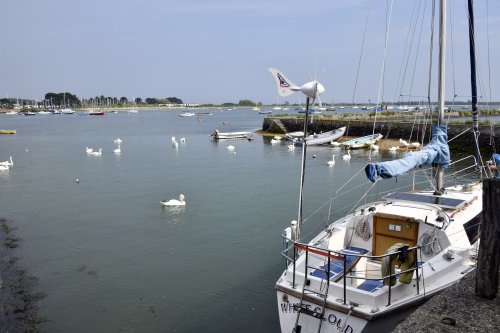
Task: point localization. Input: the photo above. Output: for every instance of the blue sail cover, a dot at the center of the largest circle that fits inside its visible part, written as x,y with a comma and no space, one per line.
437,151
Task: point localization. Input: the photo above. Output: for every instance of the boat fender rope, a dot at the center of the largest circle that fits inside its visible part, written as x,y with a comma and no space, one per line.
362,228
430,244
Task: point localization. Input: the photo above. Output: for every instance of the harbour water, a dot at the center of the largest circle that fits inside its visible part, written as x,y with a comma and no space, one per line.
110,258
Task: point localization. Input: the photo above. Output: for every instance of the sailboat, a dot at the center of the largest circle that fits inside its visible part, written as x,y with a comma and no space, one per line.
368,267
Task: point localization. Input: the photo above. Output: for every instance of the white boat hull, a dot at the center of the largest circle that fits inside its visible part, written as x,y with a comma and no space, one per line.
334,321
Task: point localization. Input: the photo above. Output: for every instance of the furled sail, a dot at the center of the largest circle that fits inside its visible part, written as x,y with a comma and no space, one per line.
436,152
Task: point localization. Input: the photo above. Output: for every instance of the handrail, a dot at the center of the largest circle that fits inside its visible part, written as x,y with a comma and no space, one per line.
297,246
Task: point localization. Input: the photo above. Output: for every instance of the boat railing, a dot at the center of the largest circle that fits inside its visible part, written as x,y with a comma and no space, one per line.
296,249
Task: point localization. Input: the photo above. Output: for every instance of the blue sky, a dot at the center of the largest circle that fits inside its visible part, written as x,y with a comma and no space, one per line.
215,51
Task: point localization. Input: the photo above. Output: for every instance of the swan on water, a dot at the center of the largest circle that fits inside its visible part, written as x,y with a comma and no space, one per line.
175,144
335,144
332,162
182,140
117,141
275,141
403,142
174,202
230,147
88,150
347,157
96,153
4,168
173,139
8,163
291,147
117,150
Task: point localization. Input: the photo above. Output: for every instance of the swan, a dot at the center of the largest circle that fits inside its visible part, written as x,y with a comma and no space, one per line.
117,150
403,142
173,139
96,153
348,156
183,140
117,141
335,144
174,202
8,163
394,149
4,168
291,147
175,144
275,141
230,147
332,162
88,150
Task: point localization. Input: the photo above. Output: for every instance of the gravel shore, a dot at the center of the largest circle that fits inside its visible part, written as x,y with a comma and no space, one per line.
456,309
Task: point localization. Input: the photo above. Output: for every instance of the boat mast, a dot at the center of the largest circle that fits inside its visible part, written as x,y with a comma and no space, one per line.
441,84
302,169
472,55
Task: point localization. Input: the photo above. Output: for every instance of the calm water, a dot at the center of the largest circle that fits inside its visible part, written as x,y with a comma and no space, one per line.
111,259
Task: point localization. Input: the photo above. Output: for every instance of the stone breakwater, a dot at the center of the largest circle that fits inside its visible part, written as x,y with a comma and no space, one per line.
462,134
18,301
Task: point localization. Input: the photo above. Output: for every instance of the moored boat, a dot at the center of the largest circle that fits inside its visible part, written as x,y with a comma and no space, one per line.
230,135
321,138
187,114
366,269
362,142
96,113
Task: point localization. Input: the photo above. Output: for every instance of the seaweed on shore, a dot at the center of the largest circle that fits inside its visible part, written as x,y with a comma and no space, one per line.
18,300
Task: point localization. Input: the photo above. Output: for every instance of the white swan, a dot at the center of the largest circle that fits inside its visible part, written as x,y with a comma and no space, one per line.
96,153
174,202
335,144
183,140
291,147
173,139
117,141
348,156
403,142
8,163
175,144
273,141
88,150
117,150
4,168
332,162
230,147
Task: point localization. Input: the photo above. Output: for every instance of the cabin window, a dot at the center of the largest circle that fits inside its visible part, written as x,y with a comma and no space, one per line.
395,227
